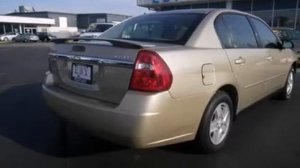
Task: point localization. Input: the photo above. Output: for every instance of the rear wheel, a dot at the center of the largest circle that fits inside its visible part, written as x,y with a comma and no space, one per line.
5,39
286,92
215,124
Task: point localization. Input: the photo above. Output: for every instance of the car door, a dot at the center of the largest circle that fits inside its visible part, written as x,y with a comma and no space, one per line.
275,68
247,61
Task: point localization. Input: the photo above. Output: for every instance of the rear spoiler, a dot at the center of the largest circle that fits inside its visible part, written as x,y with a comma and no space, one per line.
114,42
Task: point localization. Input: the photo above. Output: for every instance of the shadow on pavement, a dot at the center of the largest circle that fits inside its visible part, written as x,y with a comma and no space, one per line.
25,119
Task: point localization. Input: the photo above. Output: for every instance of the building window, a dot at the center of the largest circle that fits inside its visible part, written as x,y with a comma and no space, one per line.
166,8
203,5
285,4
265,15
298,21
184,7
1,29
259,5
217,5
8,28
284,18
242,5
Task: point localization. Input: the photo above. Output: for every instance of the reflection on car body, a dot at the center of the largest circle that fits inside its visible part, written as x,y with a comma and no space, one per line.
169,77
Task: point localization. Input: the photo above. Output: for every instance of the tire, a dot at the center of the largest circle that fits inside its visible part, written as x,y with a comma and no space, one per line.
5,39
287,91
215,126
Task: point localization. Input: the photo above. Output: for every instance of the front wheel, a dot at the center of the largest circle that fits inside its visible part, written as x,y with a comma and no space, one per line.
215,124
286,92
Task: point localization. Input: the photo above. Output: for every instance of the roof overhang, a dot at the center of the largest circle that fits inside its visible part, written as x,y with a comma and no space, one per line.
26,20
155,3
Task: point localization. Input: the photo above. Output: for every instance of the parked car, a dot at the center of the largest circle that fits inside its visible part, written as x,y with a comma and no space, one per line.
96,29
44,36
169,77
8,36
26,38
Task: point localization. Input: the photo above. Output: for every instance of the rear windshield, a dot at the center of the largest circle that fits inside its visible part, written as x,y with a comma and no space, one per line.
168,28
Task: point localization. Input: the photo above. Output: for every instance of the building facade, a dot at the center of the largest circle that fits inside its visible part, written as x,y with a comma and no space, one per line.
65,24
277,13
23,24
57,23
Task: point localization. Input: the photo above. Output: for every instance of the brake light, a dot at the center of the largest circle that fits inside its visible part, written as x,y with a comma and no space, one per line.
151,73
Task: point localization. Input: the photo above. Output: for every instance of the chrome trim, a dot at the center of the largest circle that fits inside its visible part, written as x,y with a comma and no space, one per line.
169,139
96,60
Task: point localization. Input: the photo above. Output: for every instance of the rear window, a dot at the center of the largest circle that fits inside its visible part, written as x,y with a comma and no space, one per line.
168,28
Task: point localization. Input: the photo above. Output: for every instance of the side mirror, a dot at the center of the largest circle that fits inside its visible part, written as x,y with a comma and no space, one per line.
286,44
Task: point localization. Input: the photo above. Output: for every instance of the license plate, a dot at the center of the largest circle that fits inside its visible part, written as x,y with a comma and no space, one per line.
82,73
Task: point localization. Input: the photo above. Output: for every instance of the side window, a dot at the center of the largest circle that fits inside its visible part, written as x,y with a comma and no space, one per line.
223,33
268,39
240,30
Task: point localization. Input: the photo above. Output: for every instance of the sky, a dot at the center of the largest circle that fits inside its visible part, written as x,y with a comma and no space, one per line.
127,7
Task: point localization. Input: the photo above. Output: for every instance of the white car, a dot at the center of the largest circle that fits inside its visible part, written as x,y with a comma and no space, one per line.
8,36
96,29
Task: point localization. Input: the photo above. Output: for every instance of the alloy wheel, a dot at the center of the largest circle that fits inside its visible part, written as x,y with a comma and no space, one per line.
219,124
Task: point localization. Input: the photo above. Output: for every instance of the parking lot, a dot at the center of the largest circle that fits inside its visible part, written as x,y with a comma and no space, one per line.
265,135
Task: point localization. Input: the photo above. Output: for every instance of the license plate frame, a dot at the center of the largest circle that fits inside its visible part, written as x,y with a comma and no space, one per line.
82,73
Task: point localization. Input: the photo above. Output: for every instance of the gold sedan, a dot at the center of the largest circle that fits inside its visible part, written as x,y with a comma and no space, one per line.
169,77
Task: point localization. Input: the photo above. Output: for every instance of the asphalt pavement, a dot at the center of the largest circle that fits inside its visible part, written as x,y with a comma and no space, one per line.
31,136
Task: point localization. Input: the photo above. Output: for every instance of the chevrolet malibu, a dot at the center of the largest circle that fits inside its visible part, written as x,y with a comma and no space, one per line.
169,77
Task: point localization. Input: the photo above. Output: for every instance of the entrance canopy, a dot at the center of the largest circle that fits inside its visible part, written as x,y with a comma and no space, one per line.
26,20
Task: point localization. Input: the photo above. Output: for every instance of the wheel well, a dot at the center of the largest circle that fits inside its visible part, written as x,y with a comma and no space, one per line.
232,92
295,66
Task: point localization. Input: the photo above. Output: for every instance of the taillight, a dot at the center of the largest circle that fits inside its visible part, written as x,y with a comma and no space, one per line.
151,73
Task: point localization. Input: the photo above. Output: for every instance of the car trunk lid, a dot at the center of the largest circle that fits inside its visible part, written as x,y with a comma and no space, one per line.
99,69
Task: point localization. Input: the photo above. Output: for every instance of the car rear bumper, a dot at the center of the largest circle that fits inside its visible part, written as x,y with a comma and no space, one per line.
138,121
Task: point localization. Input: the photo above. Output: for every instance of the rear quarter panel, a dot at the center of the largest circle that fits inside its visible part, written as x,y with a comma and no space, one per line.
188,88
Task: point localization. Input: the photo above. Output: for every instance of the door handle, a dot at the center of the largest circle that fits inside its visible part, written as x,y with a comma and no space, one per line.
240,60
270,58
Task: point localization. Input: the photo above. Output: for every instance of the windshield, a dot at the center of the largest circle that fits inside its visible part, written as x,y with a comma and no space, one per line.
169,28
98,27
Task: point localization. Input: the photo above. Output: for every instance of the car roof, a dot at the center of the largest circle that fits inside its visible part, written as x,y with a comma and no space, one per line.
205,11
200,11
